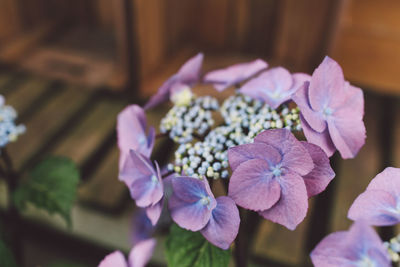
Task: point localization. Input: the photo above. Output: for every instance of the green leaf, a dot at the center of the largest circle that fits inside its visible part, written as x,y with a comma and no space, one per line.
191,249
52,186
6,257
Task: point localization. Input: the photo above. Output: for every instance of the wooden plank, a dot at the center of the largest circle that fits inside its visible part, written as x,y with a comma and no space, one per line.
90,133
22,96
45,123
103,188
10,20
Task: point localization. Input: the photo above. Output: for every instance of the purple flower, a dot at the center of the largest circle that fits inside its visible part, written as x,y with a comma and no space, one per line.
274,86
145,183
193,207
138,257
332,111
380,203
188,74
276,174
233,75
360,246
131,131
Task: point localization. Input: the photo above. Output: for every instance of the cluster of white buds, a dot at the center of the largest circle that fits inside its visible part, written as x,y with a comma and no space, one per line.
244,118
9,131
393,248
183,121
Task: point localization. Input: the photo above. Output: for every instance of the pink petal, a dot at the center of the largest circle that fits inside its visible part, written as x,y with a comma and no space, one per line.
314,119
319,178
223,226
141,253
299,80
291,209
327,82
323,140
154,211
239,154
252,186
295,156
115,259
227,77
190,71
388,180
348,136
376,207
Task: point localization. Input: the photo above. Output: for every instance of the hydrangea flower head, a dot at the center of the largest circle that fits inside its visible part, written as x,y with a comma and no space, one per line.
332,111
9,131
360,246
138,257
274,86
188,75
274,176
380,203
132,133
233,75
193,207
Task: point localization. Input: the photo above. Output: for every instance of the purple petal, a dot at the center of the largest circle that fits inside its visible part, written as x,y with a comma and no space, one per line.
115,259
189,73
350,248
314,119
376,207
299,80
154,211
162,94
223,226
388,180
191,203
235,74
295,156
131,131
239,154
253,186
319,178
190,189
273,86
143,181
327,82
141,253
323,140
190,215
348,136
291,209
142,228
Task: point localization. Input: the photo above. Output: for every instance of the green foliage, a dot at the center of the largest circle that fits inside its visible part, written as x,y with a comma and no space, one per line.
6,257
191,249
52,186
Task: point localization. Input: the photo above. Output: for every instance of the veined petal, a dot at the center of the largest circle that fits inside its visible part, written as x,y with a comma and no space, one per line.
327,82
141,253
223,226
253,186
190,189
377,207
348,136
323,140
190,215
318,179
388,180
291,209
315,119
299,80
294,156
239,154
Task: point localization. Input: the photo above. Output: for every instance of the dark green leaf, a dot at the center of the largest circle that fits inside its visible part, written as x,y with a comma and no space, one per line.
52,186
6,257
191,249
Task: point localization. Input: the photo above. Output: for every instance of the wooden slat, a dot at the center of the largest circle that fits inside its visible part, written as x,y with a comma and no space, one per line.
22,96
90,133
45,123
103,188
